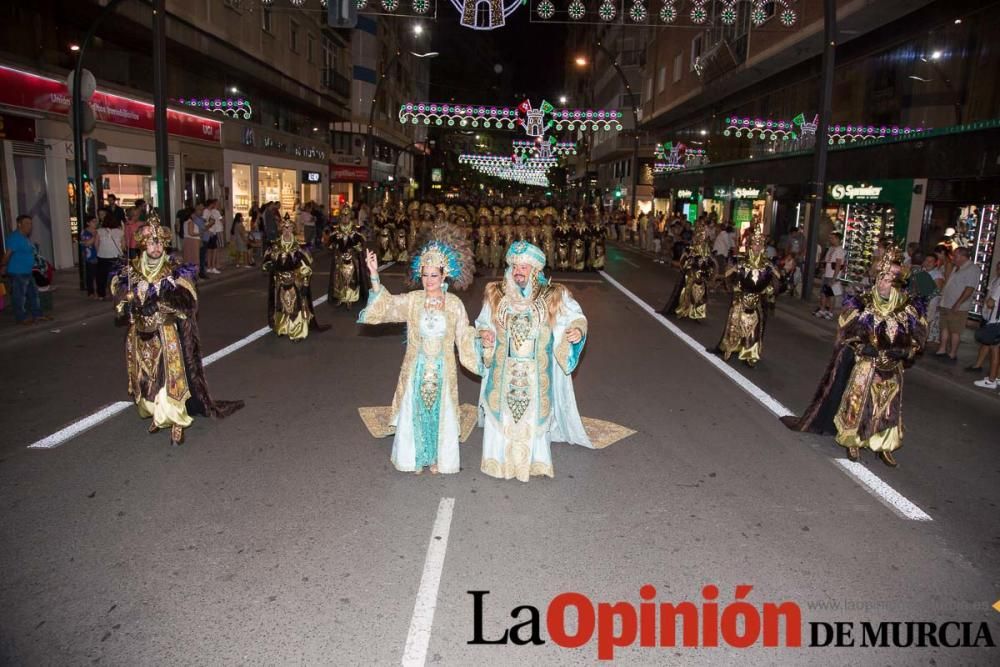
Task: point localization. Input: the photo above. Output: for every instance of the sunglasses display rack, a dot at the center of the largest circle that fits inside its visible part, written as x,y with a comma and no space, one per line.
863,226
980,231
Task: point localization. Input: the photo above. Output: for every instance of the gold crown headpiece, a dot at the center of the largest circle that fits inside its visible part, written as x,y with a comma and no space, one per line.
153,228
891,261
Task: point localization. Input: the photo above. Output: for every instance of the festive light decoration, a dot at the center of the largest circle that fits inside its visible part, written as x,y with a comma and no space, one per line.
540,148
545,9
576,10
673,157
786,130
234,107
728,15
496,16
699,14
361,4
759,14
788,18
607,11
297,3
638,12
760,128
530,172
421,6
533,120
668,13
390,5
841,134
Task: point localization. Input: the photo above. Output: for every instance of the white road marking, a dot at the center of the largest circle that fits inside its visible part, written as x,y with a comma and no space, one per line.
419,636
868,480
109,411
883,491
78,427
765,399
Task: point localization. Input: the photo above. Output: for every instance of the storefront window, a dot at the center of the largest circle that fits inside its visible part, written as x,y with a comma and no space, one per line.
128,182
862,226
279,185
242,193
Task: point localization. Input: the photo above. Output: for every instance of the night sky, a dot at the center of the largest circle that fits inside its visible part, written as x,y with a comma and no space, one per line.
532,56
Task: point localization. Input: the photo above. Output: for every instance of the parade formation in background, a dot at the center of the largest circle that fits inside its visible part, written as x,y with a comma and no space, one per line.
289,296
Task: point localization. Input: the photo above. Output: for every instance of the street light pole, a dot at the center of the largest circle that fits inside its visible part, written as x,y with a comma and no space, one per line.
819,163
635,123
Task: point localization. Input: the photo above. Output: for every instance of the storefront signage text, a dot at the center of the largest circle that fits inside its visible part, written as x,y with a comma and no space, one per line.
684,194
312,177
30,91
746,193
276,145
346,174
842,191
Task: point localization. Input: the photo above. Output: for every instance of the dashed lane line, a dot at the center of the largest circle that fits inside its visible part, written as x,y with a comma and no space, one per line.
419,636
862,475
107,412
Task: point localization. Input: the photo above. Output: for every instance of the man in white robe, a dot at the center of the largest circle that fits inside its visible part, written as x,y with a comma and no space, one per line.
532,333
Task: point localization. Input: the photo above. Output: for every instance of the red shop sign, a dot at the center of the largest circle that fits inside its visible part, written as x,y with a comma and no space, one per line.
31,91
343,173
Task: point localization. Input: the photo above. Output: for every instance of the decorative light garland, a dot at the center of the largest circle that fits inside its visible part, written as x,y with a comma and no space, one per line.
638,12
471,115
668,13
761,128
607,11
787,130
545,10
528,147
496,17
234,107
576,10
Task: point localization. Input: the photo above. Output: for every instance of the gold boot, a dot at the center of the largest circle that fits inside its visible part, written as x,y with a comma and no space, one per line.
854,454
887,458
176,435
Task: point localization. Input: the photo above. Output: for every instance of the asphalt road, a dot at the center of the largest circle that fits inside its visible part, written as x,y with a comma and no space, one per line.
282,535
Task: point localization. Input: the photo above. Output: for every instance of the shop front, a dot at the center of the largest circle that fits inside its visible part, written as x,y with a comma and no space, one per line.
964,213
38,171
346,181
687,203
263,166
748,203
864,213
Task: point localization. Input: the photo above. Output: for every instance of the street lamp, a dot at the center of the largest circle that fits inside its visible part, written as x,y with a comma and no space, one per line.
418,30
562,99
369,143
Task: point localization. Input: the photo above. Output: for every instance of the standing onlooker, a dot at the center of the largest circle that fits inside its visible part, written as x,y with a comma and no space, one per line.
956,299
193,229
132,225
116,211
307,223
182,217
988,336
110,251
926,282
18,263
272,214
239,235
722,248
833,264
88,240
211,239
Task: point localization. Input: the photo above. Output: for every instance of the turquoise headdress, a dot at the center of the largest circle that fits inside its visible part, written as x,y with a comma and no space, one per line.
522,252
446,257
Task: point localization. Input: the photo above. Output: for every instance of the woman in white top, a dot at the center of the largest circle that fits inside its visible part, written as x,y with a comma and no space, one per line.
110,250
988,336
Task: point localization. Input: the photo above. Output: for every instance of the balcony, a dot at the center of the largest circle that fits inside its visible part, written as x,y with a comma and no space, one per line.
336,82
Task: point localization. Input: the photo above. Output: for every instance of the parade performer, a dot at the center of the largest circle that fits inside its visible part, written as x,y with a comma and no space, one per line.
596,251
155,297
385,241
532,333
563,239
425,409
690,295
754,278
348,282
289,297
860,397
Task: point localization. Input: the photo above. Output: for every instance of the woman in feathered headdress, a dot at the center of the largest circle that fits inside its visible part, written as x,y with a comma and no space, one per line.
424,415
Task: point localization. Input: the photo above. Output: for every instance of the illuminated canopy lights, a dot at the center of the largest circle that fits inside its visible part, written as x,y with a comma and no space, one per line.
786,130
234,107
534,121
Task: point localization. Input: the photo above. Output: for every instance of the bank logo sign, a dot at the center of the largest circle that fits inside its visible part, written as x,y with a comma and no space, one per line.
844,191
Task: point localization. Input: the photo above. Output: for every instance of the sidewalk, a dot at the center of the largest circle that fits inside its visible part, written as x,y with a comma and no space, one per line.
802,310
67,304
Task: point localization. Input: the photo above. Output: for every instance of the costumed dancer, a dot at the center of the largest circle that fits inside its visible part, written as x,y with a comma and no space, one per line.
563,238
754,278
348,282
690,296
578,246
155,297
860,397
532,333
596,251
289,297
425,414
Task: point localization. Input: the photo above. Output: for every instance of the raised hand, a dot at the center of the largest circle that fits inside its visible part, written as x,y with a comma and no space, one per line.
488,337
574,335
372,262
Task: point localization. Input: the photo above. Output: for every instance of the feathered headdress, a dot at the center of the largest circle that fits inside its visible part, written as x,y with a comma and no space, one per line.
455,263
890,263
